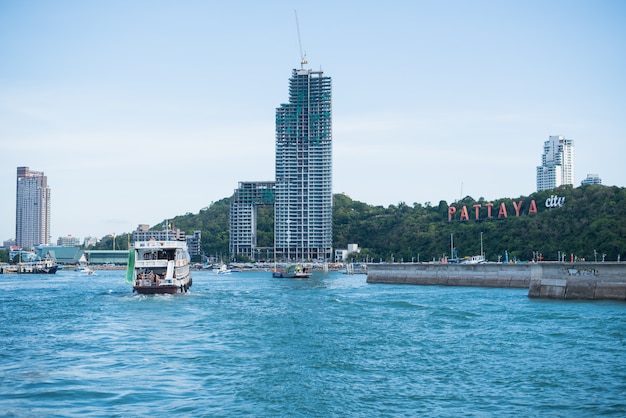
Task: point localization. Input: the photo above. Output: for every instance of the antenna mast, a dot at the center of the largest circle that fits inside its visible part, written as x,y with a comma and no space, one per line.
302,56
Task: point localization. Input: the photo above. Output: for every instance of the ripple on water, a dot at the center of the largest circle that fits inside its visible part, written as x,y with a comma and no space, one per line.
249,344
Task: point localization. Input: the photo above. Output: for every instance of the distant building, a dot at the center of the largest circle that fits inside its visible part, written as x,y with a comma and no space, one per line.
32,209
343,254
557,163
193,243
591,179
68,241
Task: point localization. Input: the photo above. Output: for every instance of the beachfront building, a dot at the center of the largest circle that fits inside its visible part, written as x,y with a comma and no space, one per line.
557,163
303,194
32,209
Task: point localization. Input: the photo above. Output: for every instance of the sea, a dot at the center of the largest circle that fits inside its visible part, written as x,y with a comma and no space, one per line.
248,344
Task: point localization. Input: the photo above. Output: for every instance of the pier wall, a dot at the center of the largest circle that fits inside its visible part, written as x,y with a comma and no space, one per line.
591,281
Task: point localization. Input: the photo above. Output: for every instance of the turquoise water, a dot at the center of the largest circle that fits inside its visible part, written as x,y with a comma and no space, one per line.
248,344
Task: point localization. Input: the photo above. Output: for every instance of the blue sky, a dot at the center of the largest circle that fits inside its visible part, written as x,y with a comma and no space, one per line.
143,110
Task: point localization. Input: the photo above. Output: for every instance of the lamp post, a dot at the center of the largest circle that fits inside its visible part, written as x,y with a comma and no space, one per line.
481,244
451,245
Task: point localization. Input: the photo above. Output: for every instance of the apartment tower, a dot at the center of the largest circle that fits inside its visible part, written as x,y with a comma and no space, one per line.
32,209
303,188
557,163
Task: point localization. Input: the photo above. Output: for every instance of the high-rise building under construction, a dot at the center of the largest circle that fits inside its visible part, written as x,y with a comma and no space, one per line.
303,191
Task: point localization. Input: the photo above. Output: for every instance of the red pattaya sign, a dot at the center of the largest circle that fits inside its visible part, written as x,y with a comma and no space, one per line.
488,208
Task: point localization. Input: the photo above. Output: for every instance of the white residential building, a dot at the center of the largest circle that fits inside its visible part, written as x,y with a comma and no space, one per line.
557,163
32,209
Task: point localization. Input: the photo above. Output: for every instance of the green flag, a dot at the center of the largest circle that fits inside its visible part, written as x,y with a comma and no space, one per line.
131,266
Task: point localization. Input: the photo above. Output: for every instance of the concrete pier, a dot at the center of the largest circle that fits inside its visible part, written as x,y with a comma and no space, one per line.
592,281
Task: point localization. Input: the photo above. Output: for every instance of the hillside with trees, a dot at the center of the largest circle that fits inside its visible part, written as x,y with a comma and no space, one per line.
591,218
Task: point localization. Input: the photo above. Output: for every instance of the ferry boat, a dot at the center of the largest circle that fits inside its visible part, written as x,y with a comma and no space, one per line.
292,271
45,266
158,267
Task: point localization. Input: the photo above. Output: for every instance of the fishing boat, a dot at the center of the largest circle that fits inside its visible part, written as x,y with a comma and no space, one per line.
157,267
292,271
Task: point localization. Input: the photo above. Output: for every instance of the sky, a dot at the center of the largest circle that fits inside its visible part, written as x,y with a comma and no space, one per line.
139,111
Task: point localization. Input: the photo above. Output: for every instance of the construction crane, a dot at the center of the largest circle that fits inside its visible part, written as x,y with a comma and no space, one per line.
303,61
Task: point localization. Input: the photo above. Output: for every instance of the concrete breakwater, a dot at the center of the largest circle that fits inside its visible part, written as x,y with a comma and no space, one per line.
592,281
